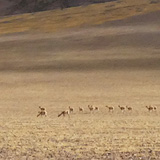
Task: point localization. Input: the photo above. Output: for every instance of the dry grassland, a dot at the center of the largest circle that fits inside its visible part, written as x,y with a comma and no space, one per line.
84,136
57,20
112,64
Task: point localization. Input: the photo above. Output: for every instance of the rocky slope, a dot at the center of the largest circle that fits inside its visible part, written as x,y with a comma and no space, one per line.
8,7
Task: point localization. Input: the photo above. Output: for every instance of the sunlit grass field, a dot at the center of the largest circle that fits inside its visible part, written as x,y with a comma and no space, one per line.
100,135
88,135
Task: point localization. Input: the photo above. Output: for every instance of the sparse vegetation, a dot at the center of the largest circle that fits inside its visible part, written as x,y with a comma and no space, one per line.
112,64
57,20
83,136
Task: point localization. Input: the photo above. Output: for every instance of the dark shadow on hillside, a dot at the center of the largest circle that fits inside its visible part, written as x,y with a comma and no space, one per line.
84,65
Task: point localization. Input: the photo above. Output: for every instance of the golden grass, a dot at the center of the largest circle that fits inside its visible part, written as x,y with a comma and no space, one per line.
51,21
100,135
83,136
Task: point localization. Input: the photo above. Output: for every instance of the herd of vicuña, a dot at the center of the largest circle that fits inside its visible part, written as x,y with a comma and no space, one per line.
92,109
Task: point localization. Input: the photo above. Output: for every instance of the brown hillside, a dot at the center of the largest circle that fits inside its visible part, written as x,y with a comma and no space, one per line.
95,14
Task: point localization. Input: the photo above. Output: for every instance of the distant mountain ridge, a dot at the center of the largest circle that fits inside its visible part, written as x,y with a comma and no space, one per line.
10,7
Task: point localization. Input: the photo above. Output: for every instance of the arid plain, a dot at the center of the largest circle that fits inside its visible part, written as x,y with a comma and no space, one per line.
117,63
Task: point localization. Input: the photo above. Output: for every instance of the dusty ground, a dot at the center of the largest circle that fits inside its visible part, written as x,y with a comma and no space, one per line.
107,65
